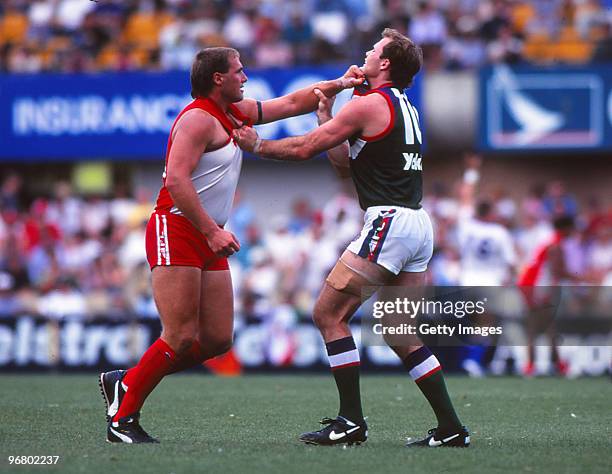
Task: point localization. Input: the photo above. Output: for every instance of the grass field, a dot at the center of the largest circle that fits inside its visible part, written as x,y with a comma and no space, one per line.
249,424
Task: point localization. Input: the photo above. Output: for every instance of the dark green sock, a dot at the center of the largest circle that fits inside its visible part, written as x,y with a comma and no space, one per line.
344,362
347,381
434,389
425,370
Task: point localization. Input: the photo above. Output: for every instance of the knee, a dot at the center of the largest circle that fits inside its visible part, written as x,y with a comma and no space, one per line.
215,346
321,317
181,342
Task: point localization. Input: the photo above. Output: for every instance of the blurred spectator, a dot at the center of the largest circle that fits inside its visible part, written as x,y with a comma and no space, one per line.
239,29
298,33
558,202
22,58
495,17
464,48
428,29
63,301
122,205
96,215
36,228
69,14
301,218
90,252
177,49
241,217
44,262
270,49
531,235
533,204
131,251
78,35
599,250
546,21
603,49
506,48
330,21
587,14
342,218
65,209
10,199
10,304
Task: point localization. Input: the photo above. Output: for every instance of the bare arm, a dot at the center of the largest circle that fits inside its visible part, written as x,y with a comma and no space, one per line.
368,115
304,147
338,156
471,176
301,101
193,134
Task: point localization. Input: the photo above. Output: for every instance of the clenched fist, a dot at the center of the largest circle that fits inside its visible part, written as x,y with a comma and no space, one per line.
246,138
223,243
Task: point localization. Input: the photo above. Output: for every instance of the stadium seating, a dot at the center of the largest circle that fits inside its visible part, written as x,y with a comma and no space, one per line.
567,33
142,29
13,27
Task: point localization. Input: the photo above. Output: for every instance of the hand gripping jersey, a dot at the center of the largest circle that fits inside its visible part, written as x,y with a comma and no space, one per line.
387,168
215,177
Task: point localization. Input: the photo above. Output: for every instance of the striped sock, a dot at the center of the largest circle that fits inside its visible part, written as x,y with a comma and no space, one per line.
426,371
344,362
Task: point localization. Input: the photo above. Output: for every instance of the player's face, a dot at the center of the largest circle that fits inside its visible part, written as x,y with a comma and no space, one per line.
233,81
371,66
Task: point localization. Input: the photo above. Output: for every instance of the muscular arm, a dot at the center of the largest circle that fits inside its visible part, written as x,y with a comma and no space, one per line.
304,147
301,101
193,134
339,155
368,115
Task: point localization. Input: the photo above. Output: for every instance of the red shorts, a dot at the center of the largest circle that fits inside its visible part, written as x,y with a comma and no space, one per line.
171,239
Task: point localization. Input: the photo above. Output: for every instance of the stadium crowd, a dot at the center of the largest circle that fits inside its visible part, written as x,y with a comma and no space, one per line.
117,35
82,256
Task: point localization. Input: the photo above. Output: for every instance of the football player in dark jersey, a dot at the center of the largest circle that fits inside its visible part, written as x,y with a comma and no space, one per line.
376,139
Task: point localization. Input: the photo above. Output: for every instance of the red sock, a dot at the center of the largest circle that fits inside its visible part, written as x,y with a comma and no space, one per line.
192,358
156,362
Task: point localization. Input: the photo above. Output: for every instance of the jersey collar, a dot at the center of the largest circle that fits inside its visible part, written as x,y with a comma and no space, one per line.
216,111
382,86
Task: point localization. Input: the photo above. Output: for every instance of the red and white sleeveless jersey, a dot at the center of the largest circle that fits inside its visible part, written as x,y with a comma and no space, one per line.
215,177
537,272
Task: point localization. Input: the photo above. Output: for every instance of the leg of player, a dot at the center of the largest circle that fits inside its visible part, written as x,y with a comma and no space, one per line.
215,323
176,290
338,301
426,372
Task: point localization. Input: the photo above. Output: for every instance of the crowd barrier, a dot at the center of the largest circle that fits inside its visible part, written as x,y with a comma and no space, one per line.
29,343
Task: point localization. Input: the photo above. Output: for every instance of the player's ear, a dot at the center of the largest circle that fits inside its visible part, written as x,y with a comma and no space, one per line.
385,64
217,78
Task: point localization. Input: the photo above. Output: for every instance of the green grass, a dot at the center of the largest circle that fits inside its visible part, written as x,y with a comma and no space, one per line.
249,424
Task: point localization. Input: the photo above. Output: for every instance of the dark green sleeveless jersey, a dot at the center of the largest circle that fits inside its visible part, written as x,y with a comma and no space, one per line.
387,168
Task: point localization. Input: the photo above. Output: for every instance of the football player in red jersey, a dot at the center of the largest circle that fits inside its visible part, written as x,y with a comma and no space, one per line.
187,247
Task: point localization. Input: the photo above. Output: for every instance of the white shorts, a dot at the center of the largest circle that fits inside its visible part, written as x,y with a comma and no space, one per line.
397,238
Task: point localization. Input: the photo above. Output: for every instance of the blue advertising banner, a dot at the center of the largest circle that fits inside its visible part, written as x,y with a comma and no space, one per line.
51,117
527,109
